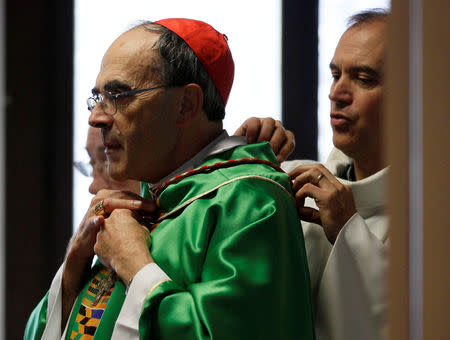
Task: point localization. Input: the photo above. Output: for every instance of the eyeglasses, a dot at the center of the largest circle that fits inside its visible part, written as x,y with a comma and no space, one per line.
87,168
108,100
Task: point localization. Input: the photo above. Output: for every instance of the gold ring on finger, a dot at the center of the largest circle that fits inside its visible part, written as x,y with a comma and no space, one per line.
98,208
319,178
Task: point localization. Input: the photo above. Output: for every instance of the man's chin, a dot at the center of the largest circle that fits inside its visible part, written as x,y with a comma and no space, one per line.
344,143
117,173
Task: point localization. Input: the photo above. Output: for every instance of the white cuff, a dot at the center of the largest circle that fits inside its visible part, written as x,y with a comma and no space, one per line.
127,324
54,305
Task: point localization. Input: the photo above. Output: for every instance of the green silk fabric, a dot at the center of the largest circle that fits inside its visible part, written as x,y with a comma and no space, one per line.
236,258
36,323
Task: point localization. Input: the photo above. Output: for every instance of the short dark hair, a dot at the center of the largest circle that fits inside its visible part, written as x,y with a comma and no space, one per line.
181,67
368,16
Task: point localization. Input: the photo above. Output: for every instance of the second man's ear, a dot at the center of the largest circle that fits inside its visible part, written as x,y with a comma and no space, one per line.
192,104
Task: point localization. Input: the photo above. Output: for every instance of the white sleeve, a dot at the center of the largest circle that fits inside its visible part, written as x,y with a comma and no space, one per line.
127,324
288,166
52,329
351,297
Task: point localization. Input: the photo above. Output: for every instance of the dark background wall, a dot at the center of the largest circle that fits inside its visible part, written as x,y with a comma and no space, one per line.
39,85
39,53
300,73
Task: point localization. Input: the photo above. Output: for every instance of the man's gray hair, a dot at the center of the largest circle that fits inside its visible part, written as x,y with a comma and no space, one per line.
181,67
368,16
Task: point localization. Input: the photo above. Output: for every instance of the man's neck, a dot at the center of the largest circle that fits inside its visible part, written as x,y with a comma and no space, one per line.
220,144
366,168
193,142
189,143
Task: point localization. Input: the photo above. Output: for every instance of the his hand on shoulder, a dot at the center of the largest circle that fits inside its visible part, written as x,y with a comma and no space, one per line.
268,129
334,200
123,243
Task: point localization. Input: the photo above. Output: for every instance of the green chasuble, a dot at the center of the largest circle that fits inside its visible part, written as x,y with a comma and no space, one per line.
235,256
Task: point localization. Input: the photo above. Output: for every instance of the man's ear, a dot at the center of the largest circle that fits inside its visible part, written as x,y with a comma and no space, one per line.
192,104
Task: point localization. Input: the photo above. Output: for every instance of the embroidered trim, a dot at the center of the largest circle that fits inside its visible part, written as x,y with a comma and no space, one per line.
206,168
189,201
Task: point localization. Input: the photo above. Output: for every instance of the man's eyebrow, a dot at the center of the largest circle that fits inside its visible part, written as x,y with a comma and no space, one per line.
333,67
116,86
359,69
366,69
113,86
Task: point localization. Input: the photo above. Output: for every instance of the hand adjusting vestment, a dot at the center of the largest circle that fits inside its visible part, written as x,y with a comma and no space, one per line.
234,258
348,278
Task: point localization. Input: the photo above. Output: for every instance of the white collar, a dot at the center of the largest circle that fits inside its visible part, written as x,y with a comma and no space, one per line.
369,193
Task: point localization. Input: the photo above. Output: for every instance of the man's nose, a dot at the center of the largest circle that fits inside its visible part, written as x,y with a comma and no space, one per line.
99,181
341,91
94,187
99,118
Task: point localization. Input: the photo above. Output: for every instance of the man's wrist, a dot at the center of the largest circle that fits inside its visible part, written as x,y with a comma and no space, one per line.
74,274
127,271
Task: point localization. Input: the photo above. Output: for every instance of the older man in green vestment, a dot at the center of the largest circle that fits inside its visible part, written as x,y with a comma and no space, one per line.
214,249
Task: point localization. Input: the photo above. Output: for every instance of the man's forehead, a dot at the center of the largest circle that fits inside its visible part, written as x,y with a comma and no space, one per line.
135,40
361,45
130,57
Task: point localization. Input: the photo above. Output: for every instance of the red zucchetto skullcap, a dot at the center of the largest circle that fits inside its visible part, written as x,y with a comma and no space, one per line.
210,47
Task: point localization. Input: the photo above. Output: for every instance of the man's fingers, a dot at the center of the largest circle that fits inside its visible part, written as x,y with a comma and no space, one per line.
267,129
309,215
97,221
313,176
250,128
147,206
309,176
91,227
307,190
110,204
241,130
316,167
287,147
277,139
298,171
